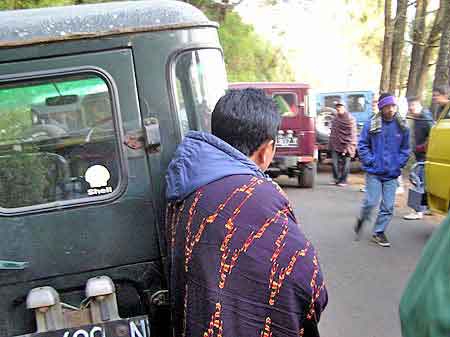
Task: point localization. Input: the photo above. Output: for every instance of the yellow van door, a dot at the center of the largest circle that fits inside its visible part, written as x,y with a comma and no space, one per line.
437,169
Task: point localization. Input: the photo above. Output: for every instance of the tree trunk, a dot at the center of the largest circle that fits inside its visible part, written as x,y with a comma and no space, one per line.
442,65
398,41
387,47
432,42
418,49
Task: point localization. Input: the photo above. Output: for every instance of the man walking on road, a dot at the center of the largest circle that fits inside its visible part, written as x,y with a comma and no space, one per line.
421,121
240,264
342,143
383,149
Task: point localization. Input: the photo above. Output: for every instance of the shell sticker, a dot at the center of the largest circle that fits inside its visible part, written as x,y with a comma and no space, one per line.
97,177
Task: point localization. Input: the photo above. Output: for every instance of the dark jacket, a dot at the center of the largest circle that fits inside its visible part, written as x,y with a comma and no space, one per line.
421,129
240,265
385,152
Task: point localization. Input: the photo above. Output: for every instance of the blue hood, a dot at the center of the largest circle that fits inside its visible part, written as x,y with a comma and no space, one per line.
201,159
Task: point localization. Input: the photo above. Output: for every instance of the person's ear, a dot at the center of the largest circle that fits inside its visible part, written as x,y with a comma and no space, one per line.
263,156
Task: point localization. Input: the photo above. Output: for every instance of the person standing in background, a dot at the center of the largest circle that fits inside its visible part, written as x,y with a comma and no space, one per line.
342,143
440,97
422,122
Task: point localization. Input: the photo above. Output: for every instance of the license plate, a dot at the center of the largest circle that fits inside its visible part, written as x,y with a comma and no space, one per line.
130,327
286,142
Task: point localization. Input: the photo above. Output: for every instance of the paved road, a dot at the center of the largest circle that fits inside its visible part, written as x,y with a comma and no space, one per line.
364,281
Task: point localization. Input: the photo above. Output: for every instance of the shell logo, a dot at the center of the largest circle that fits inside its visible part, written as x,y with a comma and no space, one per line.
97,176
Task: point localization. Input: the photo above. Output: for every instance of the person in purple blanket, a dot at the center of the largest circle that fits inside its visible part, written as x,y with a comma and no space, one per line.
240,265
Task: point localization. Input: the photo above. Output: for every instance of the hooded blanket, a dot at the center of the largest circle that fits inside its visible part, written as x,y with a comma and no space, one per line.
240,264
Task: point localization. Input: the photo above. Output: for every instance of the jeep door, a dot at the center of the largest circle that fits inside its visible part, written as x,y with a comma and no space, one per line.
437,168
75,194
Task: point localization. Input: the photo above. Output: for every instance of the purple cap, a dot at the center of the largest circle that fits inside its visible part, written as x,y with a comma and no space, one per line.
388,100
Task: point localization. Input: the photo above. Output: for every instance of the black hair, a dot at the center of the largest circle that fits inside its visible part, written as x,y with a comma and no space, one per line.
413,99
442,90
245,119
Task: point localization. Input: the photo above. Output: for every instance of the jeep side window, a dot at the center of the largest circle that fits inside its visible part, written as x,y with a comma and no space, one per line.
57,141
356,103
200,80
330,101
287,104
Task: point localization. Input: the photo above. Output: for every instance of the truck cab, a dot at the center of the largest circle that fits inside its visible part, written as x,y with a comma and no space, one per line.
94,100
296,153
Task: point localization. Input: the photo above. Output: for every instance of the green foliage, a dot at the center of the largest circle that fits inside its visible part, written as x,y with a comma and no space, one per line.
25,180
23,4
367,25
248,57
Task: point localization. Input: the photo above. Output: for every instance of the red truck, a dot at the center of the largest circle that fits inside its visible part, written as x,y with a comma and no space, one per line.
296,153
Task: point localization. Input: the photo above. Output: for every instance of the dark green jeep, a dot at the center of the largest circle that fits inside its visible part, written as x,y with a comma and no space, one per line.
93,102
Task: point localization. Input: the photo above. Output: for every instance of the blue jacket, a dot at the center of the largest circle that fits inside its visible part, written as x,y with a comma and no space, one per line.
201,159
386,152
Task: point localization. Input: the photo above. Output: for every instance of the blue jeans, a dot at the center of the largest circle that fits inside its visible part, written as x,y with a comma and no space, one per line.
341,166
376,190
421,174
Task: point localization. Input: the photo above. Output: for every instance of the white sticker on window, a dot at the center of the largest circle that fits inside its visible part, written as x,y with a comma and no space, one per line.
97,176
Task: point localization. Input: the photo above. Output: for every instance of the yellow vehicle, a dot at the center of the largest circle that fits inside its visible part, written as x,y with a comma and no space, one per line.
437,166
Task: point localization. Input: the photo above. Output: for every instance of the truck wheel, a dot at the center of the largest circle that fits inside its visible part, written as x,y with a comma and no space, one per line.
308,176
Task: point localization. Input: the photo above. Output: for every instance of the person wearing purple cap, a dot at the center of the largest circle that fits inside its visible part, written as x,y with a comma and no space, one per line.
384,150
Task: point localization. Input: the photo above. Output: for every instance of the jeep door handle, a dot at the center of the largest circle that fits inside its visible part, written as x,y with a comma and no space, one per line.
12,265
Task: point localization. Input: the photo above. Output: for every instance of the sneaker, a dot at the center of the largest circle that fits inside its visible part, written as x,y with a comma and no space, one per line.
428,212
342,184
413,216
357,228
381,239
362,189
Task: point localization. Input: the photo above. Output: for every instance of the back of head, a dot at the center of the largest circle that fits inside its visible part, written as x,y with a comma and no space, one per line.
245,119
413,99
442,90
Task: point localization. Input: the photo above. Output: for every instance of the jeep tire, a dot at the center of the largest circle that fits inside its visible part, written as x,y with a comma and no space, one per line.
307,177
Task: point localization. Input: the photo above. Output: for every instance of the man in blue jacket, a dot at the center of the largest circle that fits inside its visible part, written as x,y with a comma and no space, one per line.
383,150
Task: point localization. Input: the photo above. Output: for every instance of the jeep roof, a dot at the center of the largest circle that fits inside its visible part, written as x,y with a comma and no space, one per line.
32,26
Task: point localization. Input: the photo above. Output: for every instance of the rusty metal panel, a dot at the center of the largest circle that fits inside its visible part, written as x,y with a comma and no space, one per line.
31,26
